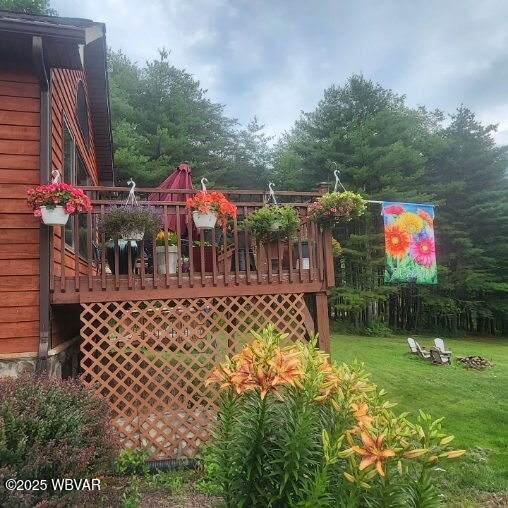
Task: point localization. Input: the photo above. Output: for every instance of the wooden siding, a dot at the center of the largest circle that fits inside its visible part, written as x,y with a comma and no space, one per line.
64,86
19,230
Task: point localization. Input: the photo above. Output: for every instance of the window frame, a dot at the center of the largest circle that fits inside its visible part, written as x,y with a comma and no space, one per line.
75,157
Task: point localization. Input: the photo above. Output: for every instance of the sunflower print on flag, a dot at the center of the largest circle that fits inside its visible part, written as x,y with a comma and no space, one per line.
409,243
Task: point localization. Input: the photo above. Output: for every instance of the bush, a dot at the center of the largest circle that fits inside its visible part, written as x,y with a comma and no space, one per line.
51,429
378,329
271,223
295,430
132,462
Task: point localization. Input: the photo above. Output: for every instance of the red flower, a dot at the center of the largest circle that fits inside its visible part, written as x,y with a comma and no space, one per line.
393,210
396,241
216,202
58,194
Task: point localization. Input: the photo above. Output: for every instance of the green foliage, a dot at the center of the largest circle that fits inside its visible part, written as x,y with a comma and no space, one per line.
170,237
42,7
270,223
131,498
120,222
162,117
413,383
132,462
169,481
295,431
389,151
337,207
378,329
51,429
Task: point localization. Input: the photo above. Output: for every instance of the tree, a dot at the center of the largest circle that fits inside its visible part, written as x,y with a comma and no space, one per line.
162,117
388,151
41,7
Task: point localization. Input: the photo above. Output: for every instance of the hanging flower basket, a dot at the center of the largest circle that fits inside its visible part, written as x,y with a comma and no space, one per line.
208,208
130,223
204,220
272,223
336,207
56,216
56,201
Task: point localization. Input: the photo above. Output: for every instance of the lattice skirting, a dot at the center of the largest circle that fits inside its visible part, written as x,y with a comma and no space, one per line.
150,360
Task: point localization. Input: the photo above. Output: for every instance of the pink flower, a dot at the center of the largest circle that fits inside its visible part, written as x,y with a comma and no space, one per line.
423,250
37,212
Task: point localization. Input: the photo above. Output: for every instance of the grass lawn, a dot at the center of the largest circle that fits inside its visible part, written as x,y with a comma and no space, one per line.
474,404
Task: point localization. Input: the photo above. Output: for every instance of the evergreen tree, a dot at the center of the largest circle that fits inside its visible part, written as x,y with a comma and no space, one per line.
162,117
388,151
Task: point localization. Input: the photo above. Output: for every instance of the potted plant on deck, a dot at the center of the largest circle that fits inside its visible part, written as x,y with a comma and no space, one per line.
55,202
170,240
124,225
208,208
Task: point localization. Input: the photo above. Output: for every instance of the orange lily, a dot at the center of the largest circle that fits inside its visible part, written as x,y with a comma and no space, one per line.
373,452
242,378
287,368
360,412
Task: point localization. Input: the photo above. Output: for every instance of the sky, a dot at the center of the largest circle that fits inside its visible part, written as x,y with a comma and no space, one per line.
274,59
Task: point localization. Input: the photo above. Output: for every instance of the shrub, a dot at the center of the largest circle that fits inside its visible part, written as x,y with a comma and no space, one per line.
132,462
378,329
51,429
271,223
295,430
119,222
336,207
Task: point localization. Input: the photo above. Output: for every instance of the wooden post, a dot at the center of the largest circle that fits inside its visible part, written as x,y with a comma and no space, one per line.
322,321
328,254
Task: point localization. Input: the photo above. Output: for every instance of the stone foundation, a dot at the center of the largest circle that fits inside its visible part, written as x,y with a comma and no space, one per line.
62,363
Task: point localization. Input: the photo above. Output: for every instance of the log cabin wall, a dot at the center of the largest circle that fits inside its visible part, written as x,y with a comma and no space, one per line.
64,93
19,229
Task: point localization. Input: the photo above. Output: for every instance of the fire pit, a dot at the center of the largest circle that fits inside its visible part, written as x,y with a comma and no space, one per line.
474,362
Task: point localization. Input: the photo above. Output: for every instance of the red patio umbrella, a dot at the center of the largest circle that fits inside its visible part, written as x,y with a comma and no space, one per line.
180,179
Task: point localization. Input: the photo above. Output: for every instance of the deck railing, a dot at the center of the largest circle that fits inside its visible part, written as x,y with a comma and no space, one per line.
208,261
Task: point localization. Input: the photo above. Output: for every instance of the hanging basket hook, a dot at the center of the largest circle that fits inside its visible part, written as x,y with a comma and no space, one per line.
337,181
272,193
131,198
56,176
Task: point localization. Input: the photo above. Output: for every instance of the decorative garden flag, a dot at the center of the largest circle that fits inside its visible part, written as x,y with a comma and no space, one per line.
409,243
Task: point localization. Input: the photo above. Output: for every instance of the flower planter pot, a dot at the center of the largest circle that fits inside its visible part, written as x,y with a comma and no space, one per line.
56,216
172,258
204,220
123,256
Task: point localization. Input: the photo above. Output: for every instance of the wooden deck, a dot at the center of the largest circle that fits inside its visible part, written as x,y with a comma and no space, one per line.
222,262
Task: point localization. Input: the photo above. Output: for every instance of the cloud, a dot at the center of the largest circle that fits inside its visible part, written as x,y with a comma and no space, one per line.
274,59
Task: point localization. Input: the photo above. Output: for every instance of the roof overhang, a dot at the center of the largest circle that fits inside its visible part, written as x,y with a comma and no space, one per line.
70,43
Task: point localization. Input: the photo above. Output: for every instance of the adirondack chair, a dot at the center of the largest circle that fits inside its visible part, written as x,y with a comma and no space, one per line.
412,345
422,353
439,358
439,343
440,346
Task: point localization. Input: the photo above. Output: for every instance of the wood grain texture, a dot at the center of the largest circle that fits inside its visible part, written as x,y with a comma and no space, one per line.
19,229
19,344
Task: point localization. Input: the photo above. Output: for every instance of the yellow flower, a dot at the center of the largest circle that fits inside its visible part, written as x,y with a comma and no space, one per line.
410,223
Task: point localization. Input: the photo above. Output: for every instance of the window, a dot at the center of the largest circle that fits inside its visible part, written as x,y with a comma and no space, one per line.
74,173
82,113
